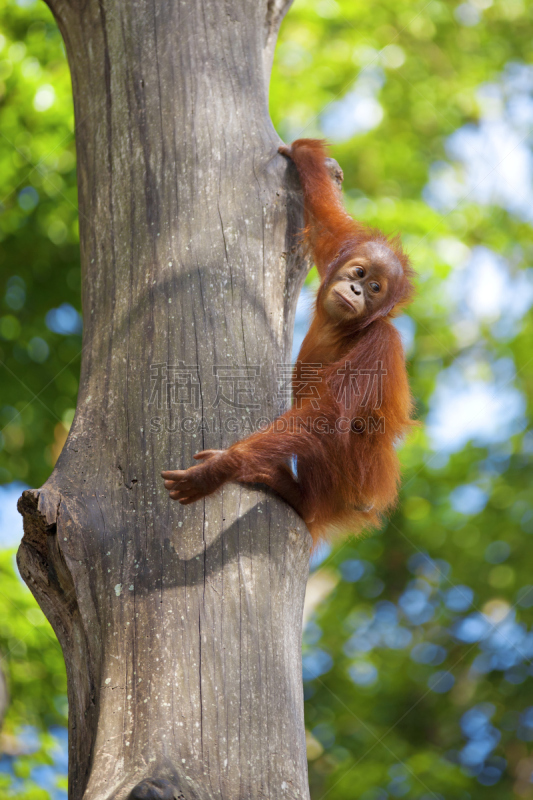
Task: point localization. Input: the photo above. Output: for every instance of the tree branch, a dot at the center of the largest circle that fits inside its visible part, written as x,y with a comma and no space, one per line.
276,10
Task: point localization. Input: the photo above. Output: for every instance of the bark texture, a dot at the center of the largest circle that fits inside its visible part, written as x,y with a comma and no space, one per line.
180,626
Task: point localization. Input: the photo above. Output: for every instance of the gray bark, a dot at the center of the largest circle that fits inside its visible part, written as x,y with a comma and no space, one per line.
180,626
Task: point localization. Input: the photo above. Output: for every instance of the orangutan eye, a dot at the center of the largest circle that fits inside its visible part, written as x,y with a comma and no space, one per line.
359,271
375,287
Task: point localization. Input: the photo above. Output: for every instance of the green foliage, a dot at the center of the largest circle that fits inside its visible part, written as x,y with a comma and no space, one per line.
29,644
32,661
377,727
398,661
39,255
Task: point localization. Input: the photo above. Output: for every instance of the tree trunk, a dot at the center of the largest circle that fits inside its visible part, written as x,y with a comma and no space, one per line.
180,626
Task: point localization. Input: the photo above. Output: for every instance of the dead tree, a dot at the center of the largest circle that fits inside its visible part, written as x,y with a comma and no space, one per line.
180,626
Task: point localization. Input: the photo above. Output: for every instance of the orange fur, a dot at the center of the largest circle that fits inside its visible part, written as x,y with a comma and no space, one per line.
346,479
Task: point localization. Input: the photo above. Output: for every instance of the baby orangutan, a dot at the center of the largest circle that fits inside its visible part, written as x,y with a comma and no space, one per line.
343,433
